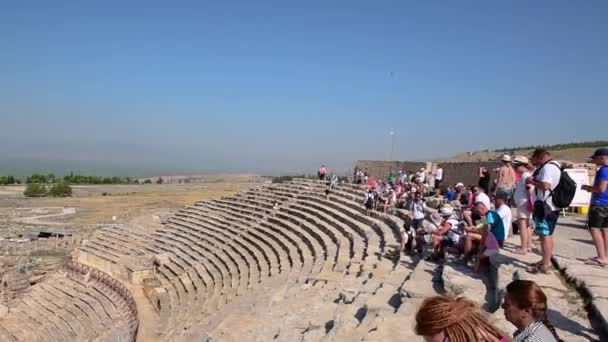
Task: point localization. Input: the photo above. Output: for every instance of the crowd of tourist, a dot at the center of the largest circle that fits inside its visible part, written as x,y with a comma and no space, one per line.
472,223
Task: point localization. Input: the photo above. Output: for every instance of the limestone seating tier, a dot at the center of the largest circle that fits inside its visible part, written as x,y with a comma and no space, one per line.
388,235
309,254
280,262
339,232
65,309
283,250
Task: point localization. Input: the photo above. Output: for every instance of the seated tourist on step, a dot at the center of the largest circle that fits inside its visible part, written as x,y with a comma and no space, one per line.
461,194
501,201
402,179
407,235
477,196
447,319
450,194
438,236
597,220
477,236
525,306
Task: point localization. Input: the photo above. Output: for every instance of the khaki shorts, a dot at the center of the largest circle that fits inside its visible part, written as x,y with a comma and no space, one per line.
523,212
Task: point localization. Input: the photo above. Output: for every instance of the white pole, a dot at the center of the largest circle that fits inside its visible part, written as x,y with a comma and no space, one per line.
392,133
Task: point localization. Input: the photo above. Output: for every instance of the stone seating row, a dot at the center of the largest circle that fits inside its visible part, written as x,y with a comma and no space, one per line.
63,309
210,253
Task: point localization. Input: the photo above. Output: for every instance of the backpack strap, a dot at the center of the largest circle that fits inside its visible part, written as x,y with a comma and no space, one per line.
554,163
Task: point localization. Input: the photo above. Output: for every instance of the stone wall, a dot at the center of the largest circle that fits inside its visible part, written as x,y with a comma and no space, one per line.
465,172
382,169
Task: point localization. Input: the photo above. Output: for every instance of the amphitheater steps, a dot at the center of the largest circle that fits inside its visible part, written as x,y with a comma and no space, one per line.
191,218
242,264
292,232
232,266
251,270
309,234
291,249
351,200
385,233
61,309
358,234
224,219
262,249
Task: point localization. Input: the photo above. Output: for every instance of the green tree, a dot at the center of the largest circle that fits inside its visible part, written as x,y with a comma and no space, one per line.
60,189
37,178
35,190
160,180
148,181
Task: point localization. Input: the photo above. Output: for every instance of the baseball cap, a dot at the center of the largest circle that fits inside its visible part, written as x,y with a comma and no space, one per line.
501,194
600,152
540,152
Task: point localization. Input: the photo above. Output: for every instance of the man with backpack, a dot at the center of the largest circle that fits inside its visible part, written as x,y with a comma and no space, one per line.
554,191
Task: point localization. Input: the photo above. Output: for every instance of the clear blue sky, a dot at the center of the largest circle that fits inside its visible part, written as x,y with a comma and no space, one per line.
284,86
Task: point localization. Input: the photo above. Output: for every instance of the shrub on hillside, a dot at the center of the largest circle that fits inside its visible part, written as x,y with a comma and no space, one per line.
148,181
60,190
160,180
35,190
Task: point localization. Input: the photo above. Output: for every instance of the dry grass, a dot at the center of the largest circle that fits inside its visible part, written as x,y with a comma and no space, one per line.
130,201
93,210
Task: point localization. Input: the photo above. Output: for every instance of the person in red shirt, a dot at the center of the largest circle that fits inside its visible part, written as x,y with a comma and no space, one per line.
322,172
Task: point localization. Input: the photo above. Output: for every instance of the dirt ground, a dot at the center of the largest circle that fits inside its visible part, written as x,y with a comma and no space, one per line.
575,155
91,206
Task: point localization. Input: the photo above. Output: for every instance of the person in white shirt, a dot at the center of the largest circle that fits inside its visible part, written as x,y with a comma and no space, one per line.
420,176
417,209
524,200
402,177
545,180
503,210
391,201
438,178
480,197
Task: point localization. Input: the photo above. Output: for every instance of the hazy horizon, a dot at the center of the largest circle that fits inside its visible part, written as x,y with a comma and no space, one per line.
142,88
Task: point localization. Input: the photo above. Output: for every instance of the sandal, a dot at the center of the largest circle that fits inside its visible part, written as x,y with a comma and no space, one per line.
594,262
520,251
536,269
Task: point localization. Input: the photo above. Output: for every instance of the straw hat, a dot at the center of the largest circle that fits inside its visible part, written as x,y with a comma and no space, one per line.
446,210
522,160
506,158
436,219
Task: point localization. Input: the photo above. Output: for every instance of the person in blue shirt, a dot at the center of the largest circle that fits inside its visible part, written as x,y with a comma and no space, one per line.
450,195
597,220
478,235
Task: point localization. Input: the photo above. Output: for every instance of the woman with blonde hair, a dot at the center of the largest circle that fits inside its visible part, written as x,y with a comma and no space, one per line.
525,307
443,319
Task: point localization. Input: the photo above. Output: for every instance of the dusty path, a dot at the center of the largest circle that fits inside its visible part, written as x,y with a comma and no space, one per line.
40,219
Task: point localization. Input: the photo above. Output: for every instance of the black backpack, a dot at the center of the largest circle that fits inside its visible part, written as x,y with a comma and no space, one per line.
563,194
